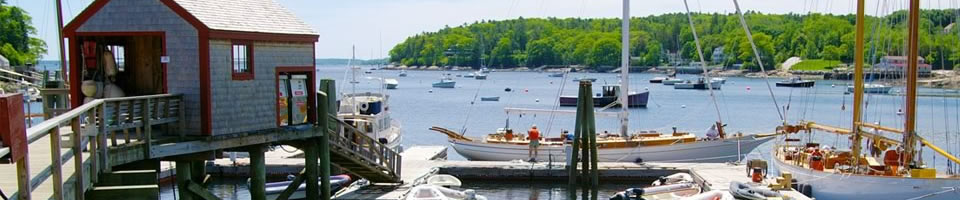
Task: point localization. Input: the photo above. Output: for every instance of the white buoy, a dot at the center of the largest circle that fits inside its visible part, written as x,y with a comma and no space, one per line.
538,100
683,106
429,91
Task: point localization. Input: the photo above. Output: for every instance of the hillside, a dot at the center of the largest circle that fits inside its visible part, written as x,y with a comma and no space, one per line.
596,42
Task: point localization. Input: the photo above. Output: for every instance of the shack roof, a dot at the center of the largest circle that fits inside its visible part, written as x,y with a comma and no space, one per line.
262,16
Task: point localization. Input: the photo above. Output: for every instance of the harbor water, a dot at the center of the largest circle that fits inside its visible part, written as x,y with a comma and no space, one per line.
744,104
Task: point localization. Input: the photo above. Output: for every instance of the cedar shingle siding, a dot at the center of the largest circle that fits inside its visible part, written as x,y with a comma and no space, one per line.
181,43
250,105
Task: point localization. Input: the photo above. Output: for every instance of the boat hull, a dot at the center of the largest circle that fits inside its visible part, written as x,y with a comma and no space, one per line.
701,151
828,186
671,81
657,80
392,86
872,89
489,98
697,86
796,84
635,100
445,84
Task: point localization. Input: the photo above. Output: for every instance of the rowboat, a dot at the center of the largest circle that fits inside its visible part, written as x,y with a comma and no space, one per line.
872,89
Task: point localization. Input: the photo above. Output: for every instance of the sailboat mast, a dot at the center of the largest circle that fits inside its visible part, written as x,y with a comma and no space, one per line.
909,134
63,56
858,82
625,68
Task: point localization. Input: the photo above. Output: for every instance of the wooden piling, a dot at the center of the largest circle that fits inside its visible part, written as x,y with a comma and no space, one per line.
184,177
310,169
258,175
327,106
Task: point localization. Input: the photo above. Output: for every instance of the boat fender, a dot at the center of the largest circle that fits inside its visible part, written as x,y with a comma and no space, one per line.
744,191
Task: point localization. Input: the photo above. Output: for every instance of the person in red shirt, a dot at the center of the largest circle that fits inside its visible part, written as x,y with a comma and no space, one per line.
534,136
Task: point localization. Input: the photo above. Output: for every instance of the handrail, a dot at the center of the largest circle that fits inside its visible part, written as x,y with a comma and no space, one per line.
376,152
88,119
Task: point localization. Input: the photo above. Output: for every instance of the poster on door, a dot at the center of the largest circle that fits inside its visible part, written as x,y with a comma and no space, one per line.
283,105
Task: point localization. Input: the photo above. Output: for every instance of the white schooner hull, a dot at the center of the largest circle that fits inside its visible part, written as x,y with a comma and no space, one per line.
700,151
831,186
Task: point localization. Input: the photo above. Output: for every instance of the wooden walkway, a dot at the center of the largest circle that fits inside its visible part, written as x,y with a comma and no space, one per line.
40,156
120,131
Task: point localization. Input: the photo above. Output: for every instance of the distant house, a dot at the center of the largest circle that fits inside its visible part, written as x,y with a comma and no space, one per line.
717,57
4,62
898,64
241,65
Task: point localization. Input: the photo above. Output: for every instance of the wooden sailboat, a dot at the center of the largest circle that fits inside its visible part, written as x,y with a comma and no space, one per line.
642,146
898,174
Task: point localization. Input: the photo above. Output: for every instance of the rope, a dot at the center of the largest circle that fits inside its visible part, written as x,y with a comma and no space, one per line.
756,53
703,63
556,103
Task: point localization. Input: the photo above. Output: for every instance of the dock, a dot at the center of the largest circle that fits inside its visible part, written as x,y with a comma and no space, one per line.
422,161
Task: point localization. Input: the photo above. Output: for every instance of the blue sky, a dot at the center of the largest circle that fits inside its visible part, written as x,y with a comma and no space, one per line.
374,26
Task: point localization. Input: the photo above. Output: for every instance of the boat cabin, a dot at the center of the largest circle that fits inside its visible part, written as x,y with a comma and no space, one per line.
610,91
241,65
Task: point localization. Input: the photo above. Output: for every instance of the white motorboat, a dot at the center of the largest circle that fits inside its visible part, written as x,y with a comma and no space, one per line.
671,81
871,88
391,83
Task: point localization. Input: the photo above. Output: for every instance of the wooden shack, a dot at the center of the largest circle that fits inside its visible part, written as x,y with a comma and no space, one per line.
242,65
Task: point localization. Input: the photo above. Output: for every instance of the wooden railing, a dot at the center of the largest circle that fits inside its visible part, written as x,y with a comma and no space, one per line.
96,121
369,148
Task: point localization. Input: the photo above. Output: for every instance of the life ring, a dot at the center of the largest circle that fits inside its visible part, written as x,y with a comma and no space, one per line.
364,107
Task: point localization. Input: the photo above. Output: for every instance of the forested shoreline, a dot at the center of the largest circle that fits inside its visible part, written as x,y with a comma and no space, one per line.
534,42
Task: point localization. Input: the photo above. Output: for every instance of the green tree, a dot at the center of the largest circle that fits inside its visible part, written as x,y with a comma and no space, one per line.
15,41
605,52
540,52
764,45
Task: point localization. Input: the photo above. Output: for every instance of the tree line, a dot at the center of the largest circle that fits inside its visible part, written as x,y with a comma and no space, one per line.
534,42
16,43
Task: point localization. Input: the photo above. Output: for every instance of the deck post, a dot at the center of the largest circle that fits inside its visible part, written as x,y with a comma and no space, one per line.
327,102
184,177
590,129
77,136
587,98
258,175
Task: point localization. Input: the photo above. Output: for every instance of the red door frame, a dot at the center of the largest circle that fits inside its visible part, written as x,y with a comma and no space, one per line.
311,89
74,48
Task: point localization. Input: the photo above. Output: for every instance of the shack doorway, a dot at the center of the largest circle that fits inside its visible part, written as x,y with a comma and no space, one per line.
122,64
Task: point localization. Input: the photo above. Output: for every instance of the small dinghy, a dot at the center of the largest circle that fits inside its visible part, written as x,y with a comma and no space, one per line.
745,191
435,188
275,188
391,83
489,98
676,186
